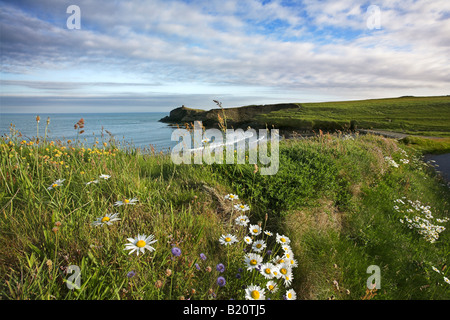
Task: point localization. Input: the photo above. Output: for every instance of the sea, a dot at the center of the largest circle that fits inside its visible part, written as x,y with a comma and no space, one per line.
140,130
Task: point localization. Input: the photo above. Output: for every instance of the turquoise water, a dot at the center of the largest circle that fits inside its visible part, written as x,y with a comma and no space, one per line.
138,129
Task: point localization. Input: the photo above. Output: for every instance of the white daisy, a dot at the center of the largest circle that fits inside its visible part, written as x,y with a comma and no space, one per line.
94,181
104,176
293,263
252,260
248,240
291,295
254,293
267,270
446,280
282,239
140,243
242,220
268,233
56,184
279,260
272,286
126,201
232,197
227,239
435,269
254,229
286,273
241,207
259,245
106,219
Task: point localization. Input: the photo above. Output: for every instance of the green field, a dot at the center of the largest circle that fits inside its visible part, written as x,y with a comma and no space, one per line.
342,203
428,116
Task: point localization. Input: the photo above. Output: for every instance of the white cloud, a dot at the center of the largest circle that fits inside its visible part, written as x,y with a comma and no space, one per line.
317,46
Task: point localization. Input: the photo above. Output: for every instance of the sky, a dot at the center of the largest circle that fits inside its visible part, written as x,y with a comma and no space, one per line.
156,55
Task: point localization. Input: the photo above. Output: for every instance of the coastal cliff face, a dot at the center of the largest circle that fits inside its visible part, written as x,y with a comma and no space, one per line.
240,117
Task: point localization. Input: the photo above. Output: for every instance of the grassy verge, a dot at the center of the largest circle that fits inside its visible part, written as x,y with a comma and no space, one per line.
335,200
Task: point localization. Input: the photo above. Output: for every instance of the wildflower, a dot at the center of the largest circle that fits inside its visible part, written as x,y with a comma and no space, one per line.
254,229
291,295
252,260
202,256
57,223
94,181
248,240
435,269
446,280
254,292
272,286
228,239
242,220
282,239
220,267
197,266
267,270
221,281
158,284
126,201
241,207
108,219
176,251
232,197
140,243
104,176
286,273
259,245
268,233
56,184
208,269
168,272
131,274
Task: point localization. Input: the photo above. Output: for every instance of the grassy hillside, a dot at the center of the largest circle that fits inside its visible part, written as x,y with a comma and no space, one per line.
343,204
429,116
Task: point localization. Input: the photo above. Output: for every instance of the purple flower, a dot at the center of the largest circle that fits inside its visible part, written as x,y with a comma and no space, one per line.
197,266
221,281
202,256
238,275
131,274
220,267
176,251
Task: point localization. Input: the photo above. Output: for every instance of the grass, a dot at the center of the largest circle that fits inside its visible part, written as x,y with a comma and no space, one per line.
333,198
427,116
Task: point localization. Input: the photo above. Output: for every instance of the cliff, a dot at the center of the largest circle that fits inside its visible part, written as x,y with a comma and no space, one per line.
240,117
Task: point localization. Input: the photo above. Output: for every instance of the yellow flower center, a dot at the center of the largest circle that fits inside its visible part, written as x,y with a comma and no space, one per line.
255,294
54,185
271,287
140,243
253,262
259,245
231,196
283,240
227,239
283,270
105,219
255,230
267,270
127,201
289,295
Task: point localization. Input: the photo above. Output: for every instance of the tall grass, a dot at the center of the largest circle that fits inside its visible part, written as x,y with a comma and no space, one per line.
333,197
